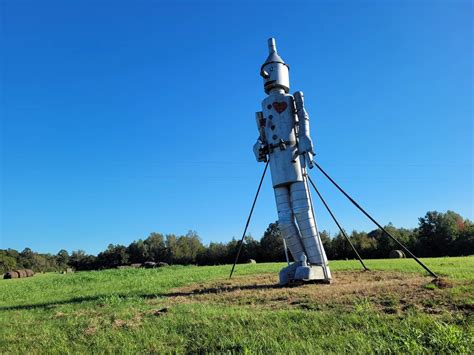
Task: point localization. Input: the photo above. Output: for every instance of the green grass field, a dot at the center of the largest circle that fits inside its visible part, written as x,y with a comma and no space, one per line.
393,308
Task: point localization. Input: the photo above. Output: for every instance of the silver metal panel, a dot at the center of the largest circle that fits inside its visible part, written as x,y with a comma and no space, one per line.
275,71
279,115
286,222
306,223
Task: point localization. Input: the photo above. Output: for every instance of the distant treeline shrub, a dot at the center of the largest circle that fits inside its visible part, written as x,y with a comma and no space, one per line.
438,234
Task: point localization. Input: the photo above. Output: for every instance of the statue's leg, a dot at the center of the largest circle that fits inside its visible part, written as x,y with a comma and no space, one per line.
307,225
286,222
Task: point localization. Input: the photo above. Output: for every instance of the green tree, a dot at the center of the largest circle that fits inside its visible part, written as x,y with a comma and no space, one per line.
250,249
232,249
138,252
114,256
364,245
327,243
187,248
340,248
438,232
41,263
465,242
79,260
214,254
271,244
156,247
383,244
7,263
170,242
25,259
62,259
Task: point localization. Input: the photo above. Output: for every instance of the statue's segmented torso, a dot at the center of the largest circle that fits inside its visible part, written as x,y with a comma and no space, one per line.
279,120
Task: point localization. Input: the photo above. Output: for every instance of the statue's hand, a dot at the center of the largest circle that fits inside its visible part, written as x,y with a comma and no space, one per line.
308,160
259,151
305,145
305,148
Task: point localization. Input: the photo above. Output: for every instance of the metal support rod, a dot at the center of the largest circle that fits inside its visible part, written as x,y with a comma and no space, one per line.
376,223
337,223
320,242
248,219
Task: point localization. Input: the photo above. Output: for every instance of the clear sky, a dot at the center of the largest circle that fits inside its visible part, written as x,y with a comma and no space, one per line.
120,118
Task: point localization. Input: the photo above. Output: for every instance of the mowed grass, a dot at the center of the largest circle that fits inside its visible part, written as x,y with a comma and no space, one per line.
197,309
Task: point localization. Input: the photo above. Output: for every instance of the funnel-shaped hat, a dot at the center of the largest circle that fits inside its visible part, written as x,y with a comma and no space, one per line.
273,56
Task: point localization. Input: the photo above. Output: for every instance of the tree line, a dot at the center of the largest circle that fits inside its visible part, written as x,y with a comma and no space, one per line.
437,234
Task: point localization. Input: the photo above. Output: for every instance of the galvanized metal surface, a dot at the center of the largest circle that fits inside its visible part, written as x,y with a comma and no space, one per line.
274,71
284,134
279,121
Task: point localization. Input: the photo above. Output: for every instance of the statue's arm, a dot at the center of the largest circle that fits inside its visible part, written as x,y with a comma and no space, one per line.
305,143
260,147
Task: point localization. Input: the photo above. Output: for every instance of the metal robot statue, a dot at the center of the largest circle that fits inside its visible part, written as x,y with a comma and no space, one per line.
285,140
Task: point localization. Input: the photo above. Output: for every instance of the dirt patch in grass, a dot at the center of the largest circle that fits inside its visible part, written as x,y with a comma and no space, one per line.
442,283
90,330
134,322
389,292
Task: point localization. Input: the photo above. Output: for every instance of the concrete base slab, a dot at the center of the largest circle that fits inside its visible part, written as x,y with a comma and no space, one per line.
296,273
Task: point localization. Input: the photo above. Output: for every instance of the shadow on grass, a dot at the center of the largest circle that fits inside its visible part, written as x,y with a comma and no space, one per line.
82,299
221,289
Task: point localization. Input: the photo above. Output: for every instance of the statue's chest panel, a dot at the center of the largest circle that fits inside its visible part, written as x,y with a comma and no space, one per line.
279,122
279,116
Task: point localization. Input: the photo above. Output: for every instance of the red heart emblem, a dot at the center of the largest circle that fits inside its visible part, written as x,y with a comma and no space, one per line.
280,106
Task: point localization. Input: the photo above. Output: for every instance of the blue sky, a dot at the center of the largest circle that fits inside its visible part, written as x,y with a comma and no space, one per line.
123,118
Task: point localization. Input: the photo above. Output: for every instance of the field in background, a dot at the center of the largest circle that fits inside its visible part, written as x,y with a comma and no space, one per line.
396,307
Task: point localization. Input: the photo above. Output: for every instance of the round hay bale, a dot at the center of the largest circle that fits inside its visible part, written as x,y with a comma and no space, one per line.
21,273
396,254
11,275
29,272
149,264
162,264
251,261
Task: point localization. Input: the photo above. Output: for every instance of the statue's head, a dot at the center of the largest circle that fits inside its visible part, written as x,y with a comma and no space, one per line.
275,71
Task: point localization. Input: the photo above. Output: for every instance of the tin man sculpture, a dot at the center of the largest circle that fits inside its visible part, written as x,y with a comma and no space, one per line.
285,140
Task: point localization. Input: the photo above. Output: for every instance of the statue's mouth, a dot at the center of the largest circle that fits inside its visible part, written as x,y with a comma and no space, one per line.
269,83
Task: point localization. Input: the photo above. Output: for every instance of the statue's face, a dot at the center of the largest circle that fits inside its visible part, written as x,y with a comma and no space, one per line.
275,75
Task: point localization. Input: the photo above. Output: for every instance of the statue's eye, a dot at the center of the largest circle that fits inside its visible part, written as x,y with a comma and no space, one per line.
271,68
264,74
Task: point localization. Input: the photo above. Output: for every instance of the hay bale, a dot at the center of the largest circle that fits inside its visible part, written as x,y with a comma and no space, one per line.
136,265
29,272
149,264
162,264
21,273
396,254
11,275
251,261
